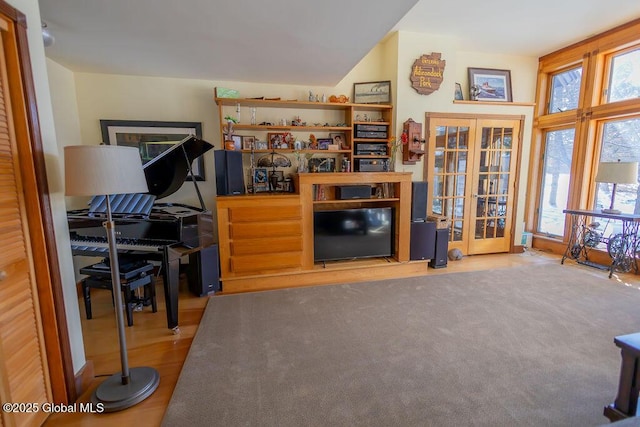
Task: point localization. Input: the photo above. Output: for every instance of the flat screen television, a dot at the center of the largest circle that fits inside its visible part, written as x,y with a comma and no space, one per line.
352,233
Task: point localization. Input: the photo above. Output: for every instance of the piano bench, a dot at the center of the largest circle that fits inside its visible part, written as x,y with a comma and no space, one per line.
129,282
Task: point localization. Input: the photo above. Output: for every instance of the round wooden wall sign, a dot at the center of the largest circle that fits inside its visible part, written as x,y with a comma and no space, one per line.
427,72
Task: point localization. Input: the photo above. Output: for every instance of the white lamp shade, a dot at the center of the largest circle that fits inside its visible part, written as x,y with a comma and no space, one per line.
92,170
618,172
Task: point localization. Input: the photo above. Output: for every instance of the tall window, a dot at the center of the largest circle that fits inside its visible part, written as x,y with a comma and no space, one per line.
584,118
555,181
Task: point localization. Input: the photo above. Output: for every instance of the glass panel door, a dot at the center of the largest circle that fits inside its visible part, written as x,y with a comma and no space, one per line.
448,196
471,170
494,192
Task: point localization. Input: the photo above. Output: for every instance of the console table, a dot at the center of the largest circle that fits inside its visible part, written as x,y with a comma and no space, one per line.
583,238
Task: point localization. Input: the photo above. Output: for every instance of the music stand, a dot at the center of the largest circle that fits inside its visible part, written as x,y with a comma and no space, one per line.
108,170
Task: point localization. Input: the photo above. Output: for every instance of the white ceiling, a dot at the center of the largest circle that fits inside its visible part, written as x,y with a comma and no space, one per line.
301,42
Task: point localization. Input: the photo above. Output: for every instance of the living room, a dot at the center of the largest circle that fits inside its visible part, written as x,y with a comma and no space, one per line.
80,99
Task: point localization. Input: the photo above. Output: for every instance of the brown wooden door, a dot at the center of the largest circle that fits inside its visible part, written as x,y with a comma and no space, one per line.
471,171
24,376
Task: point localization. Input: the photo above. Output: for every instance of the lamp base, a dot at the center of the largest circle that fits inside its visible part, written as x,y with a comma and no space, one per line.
115,396
611,211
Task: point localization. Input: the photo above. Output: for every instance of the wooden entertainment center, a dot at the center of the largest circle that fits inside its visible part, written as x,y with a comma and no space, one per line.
266,239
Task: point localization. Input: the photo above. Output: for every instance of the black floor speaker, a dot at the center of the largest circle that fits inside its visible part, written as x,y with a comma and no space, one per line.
440,257
229,172
204,271
419,200
423,240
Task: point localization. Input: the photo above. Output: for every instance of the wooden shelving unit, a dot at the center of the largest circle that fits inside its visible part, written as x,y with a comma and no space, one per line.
344,118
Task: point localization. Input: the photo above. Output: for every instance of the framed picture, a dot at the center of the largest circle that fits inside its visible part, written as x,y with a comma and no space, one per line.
458,94
260,179
490,85
152,138
237,142
339,139
323,143
248,142
280,175
275,140
372,92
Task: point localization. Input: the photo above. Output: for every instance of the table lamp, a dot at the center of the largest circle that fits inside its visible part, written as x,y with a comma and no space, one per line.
107,170
616,173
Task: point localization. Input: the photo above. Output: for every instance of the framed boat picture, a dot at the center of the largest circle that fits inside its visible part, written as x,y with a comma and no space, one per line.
490,84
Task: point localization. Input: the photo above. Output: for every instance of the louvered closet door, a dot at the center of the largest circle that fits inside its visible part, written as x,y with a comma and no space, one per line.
23,365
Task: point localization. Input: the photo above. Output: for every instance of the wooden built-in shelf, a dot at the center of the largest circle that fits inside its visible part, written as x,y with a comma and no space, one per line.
352,201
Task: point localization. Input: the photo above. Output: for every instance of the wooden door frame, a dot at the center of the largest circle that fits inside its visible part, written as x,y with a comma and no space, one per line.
429,116
40,219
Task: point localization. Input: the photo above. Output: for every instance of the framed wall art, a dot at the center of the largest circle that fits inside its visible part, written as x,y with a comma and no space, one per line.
151,138
372,92
248,142
490,85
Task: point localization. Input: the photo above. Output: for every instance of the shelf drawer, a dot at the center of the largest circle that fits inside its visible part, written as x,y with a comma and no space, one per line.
266,246
252,230
254,263
264,213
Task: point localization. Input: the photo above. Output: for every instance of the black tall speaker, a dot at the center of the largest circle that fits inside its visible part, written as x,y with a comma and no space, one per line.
439,259
229,172
419,200
423,240
204,271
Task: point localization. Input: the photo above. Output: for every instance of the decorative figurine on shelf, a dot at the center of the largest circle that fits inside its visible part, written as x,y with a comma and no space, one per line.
313,145
474,92
228,133
311,97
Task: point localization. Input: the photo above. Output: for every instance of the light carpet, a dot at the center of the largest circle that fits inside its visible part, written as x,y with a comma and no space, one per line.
522,346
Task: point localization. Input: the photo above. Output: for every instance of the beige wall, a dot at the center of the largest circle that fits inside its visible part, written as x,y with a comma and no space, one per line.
54,162
411,104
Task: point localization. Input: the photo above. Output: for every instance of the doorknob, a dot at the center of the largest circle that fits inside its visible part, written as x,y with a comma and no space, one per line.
3,275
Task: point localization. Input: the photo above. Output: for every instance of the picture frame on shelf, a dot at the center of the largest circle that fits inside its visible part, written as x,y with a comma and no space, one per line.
280,175
372,92
458,96
248,142
491,84
152,138
339,139
261,145
323,143
260,180
275,140
237,142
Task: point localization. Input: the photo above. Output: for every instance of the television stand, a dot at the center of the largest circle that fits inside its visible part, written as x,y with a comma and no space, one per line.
266,239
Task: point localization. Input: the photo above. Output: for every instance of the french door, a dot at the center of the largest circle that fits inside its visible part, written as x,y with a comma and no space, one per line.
471,167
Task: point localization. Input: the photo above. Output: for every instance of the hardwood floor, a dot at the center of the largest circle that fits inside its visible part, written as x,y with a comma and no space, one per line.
150,343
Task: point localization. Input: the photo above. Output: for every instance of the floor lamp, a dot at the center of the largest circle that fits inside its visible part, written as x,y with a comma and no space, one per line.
616,173
106,170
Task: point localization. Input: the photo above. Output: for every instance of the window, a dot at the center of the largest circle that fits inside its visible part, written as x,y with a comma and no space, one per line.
624,82
589,117
555,181
565,91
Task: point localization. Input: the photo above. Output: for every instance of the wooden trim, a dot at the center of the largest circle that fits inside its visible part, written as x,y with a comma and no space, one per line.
624,33
474,116
40,220
513,104
84,377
